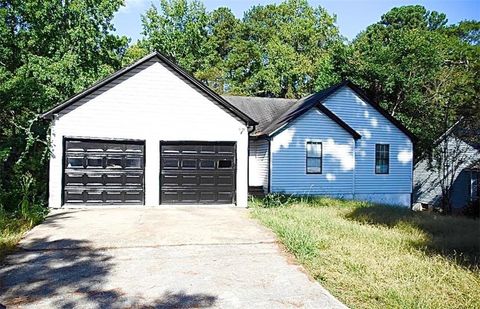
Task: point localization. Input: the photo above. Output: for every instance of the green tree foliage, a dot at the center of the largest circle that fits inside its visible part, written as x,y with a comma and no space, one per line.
420,70
49,50
178,28
279,50
283,50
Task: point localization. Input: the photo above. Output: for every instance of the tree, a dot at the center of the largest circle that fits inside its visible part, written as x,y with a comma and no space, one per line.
413,65
178,28
283,50
49,50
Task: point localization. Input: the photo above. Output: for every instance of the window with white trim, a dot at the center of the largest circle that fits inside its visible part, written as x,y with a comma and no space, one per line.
314,158
382,158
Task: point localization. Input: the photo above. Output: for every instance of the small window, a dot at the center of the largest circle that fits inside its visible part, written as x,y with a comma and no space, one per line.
74,162
189,164
225,164
133,162
114,162
170,163
382,158
207,164
314,158
94,162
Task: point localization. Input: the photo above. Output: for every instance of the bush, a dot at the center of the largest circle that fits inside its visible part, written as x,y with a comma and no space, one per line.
30,210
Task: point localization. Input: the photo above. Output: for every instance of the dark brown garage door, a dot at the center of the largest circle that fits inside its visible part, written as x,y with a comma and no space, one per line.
103,172
197,173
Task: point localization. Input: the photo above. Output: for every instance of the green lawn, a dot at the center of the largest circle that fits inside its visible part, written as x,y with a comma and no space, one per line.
371,256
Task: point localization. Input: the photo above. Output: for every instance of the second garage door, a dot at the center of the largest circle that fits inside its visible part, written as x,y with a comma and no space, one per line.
197,172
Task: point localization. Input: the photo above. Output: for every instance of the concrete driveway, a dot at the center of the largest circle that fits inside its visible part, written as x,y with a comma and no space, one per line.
155,258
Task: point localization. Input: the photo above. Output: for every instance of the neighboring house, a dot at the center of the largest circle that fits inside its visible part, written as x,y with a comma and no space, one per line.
461,150
152,134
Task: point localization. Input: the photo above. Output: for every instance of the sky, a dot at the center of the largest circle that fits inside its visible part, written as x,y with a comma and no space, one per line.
353,16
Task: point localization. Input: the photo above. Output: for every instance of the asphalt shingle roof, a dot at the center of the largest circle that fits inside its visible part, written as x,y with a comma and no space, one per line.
262,110
273,113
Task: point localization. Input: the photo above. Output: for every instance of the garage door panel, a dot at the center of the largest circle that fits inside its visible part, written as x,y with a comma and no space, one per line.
193,173
225,196
74,179
134,179
93,179
207,180
103,172
226,180
74,196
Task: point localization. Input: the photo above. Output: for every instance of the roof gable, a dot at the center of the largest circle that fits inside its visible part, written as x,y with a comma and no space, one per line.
192,81
316,99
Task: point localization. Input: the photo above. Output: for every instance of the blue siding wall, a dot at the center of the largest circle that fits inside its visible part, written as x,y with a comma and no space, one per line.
288,157
461,190
374,128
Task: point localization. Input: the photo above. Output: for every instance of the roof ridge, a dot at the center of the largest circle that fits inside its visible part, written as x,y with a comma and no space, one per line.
257,97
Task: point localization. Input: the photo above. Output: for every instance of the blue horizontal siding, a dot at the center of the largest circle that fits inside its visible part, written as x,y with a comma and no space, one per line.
374,128
288,155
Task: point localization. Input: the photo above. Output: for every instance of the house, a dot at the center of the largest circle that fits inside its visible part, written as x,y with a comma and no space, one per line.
335,142
459,149
152,134
149,134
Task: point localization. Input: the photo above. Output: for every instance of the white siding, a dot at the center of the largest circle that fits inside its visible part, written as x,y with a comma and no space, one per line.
288,155
259,163
149,103
375,128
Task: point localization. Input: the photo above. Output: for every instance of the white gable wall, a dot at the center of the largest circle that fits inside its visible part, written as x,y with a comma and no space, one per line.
149,103
392,188
288,157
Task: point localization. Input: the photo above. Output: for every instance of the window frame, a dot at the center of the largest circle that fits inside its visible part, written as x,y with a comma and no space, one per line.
308,157
387,158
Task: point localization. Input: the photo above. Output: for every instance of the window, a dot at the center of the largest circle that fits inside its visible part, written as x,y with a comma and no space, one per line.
207,164
170,163
382,158
133,162
94,162
189,164
225,164
74,162
114,162
314,158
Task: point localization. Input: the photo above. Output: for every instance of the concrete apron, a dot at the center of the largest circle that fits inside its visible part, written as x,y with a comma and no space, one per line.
167,258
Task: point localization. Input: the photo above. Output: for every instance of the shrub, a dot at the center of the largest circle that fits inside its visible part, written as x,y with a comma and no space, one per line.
30,210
